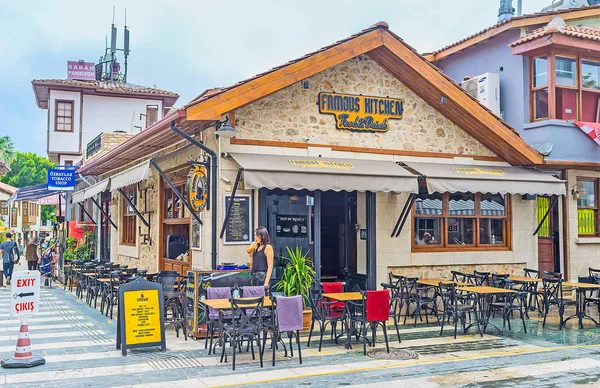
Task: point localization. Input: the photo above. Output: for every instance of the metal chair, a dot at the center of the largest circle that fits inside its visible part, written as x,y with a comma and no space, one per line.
458,276
173,288
324,314
395,302
287,318
424,298
535,295
457,306
375,312
510,302
212,316
553,296
482,278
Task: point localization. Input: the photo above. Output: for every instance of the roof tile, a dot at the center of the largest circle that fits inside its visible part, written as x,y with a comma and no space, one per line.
558,26
106,86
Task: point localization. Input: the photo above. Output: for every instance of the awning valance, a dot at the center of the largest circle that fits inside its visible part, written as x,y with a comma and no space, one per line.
297,172
78,196
32,193
452,178
130,176
96,188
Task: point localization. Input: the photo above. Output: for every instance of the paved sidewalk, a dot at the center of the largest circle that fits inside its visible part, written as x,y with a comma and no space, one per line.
79,346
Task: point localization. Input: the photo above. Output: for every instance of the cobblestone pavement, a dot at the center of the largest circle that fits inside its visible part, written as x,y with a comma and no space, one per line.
79,346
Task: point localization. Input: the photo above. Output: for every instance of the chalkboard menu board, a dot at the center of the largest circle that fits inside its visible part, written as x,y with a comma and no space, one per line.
239,228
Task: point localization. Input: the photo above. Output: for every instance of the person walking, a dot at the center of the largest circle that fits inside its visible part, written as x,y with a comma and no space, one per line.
10,254
31,255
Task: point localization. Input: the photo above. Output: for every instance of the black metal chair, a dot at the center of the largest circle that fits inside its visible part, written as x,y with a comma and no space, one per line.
458,276
243,325
457,305
536,296
554,296
395,304
510,302
482,278
424,299
370,313
173,287
552,275
324,314
594,295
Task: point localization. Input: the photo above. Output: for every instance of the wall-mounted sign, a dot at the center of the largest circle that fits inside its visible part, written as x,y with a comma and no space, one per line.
197,188
61,180
321,164
478,171
291,226
81,70
239,225
361,113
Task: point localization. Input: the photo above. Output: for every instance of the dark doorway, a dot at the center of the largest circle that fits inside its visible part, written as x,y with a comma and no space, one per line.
548,236
338,234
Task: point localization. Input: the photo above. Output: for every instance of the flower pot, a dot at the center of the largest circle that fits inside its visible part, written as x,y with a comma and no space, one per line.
306,319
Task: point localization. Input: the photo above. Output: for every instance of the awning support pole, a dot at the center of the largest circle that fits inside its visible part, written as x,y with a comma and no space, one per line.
104,213
409,202
176,191
401,216
135,209
86,212
235,186
554,201
213,188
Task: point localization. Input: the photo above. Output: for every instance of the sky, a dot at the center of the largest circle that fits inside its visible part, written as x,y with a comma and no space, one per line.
189,46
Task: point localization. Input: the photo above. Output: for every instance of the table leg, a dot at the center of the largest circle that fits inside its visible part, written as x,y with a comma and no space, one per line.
580,308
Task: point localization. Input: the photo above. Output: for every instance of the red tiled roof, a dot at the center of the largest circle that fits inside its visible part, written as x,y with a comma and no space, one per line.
558,26
40,87
514,19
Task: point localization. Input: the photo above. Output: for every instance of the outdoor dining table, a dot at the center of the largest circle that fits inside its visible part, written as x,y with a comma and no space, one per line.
484,299
346,297
225,304
436,282
524,279
580,289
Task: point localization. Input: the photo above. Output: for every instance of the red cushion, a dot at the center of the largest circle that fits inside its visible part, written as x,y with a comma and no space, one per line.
378,305
331,288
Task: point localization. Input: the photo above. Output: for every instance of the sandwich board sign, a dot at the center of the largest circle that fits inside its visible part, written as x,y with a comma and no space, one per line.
141,322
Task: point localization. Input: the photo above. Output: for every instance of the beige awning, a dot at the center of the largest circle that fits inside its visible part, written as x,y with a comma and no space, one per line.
130,176
77,196
96,188
453,178
298,172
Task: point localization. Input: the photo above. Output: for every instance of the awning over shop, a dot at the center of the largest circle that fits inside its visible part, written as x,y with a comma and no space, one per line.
78,196
294,172
130,176
96,188
31,193
452,178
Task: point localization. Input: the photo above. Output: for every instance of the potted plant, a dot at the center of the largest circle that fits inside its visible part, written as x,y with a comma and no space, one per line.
297,278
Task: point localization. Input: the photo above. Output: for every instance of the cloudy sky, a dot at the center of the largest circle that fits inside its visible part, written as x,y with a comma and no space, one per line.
188,46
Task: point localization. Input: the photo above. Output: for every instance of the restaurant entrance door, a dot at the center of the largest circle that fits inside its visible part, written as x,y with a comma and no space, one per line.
548,236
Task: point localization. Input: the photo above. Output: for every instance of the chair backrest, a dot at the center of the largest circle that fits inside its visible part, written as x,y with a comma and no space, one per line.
131,271
395,279
334,287
316,299
167,281
481,278
499,280
470,278
593,271
532,273
449,295
247,312
552,275
288,310
458,276
377,305
253,291
409,285
217,293
553,289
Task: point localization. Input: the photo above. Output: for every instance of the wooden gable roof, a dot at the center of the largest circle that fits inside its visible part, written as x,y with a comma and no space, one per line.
401,60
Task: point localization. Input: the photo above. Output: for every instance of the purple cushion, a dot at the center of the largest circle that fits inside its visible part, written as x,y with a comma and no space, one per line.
217,293
289,313
253,291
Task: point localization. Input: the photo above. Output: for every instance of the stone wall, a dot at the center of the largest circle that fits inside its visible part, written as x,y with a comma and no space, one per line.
108,141
443,271
292,115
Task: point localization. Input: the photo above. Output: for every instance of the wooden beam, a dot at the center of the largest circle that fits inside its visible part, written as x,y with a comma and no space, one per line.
536,44
510,141
213,108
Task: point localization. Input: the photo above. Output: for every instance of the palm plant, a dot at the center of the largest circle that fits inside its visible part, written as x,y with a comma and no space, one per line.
7,150
297,276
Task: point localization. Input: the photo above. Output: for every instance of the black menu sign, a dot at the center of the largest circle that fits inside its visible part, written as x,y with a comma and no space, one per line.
239,225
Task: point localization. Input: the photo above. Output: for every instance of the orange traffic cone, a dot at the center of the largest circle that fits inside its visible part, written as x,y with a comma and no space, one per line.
23,358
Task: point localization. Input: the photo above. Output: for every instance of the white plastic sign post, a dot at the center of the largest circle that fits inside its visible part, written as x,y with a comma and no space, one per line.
25,289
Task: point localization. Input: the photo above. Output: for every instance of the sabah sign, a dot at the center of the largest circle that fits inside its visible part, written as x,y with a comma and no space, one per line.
361,113
141,321
61,180
81,70
25,290
197,188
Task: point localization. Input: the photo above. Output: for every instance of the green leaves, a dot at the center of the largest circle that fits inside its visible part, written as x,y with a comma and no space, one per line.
298,275
7,150
27,169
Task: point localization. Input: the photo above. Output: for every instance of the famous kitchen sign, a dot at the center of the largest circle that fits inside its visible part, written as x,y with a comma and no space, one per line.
361,113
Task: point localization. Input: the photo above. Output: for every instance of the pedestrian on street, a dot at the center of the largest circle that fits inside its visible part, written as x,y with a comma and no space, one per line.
10,254
32,255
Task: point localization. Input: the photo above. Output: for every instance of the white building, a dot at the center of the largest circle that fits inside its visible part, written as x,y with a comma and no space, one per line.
80,111
23,219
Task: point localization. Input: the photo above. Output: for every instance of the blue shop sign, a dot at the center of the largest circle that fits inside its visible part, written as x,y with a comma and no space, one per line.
61,180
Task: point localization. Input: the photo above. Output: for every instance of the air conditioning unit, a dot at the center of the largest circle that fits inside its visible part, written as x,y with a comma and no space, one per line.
486,89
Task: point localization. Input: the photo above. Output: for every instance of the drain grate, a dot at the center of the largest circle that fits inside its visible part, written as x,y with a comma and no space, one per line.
394,354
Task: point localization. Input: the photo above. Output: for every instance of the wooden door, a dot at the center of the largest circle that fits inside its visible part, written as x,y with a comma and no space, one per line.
545,236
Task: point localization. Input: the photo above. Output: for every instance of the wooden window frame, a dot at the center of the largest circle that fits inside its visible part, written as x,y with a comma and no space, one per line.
4,208
128,219
56,102
148,108
595,208
476,246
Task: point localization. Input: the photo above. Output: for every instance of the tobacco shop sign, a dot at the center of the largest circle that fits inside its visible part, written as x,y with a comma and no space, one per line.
361,113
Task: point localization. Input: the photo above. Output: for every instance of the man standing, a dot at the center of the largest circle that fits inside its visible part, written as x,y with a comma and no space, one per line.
31,254
8,249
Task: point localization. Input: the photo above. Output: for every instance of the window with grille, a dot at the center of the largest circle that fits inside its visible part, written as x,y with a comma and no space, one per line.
587,207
